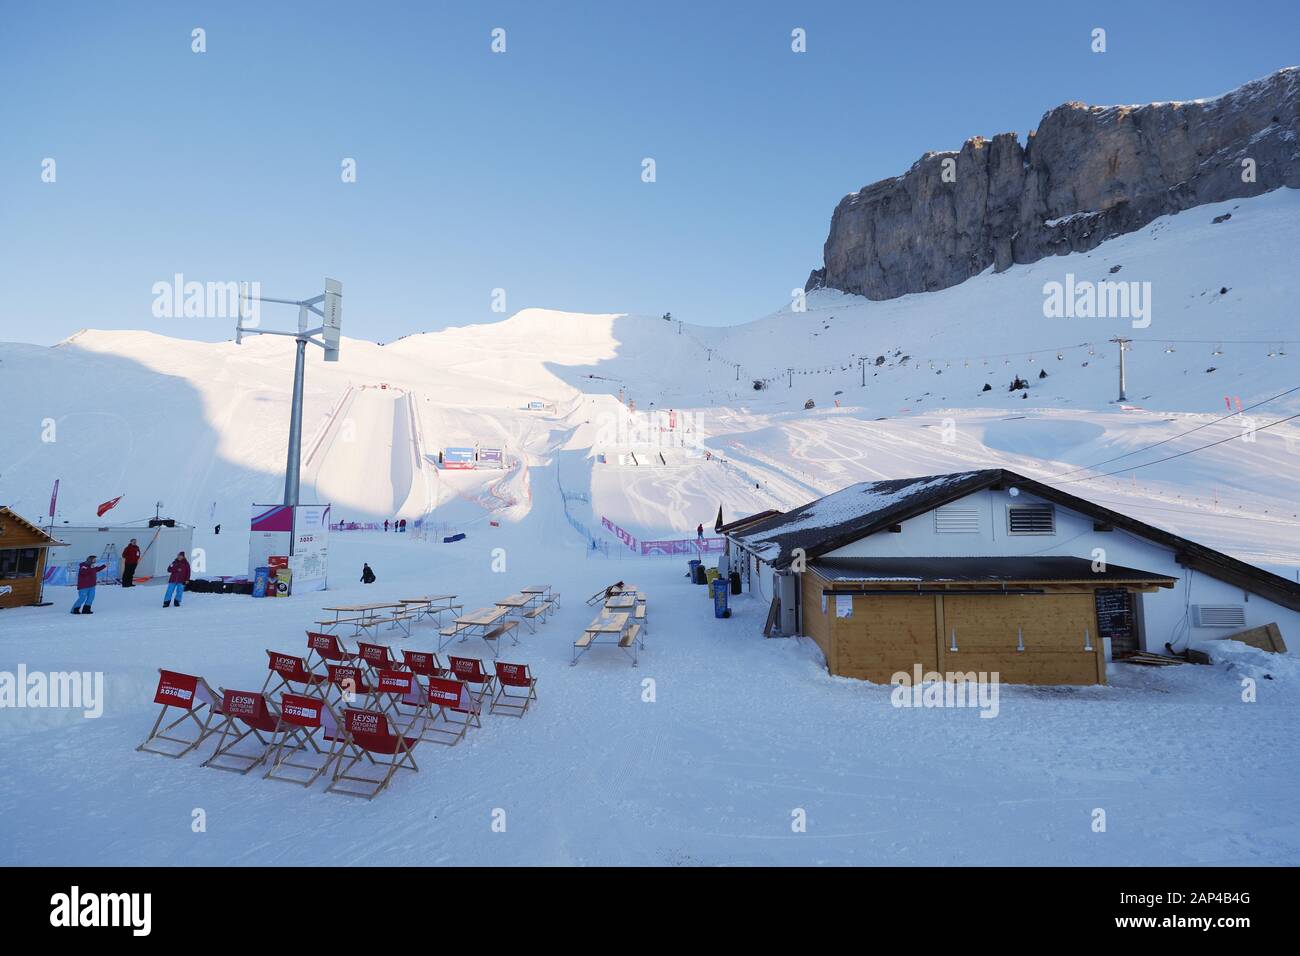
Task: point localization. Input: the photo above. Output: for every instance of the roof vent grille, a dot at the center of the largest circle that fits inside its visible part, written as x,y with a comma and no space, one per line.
951,519
1219,615
1031,519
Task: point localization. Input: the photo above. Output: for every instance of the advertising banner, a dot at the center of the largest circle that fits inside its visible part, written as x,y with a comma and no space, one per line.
270,533
496,457
619,533
458,458
310,561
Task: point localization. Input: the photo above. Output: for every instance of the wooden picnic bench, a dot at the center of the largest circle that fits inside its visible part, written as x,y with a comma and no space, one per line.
485,622
614,625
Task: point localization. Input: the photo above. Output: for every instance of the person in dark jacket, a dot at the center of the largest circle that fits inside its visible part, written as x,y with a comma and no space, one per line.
87,575
367,576
385,524
699,532
178,573
130,558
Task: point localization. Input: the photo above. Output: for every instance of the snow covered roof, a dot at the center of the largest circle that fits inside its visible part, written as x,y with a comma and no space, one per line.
857,511
997,568
852,513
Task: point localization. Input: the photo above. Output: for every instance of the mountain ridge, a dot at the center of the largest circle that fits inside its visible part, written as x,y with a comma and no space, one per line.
1085,174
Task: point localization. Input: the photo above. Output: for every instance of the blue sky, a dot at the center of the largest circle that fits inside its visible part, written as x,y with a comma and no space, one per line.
520,170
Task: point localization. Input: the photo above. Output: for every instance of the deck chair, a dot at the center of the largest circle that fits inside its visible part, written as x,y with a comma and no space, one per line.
395,689
199,707
423,664
367,733
470,670
258,715
298,755
327,648
346,686
453,710
520,678
376,657
290,673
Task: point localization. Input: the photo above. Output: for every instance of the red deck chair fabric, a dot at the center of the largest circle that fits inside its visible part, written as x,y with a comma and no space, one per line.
298,755
198,705
327,648
423,664
470,670
376,657
367,734
511,680
258,715
453,710
396,689
346,685
290,673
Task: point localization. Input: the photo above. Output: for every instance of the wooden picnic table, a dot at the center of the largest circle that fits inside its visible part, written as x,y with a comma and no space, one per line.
528,606
430,604
536,589
625,600
613,624
485,622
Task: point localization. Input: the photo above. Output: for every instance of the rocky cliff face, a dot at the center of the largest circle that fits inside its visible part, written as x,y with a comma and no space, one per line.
1087,173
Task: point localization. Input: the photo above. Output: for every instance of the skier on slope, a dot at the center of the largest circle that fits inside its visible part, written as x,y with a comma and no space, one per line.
385,524
367,576
87,575
178,574
699,532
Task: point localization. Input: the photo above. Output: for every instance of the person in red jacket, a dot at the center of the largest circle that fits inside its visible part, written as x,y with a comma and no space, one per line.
87,575
178,573
130,558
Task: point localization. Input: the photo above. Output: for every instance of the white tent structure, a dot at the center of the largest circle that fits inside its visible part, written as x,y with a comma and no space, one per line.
158,546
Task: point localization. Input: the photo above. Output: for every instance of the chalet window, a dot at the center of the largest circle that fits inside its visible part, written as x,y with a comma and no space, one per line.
18,563
1031,519
951,519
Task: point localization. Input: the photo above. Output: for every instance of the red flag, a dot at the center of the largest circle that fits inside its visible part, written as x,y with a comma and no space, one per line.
107,505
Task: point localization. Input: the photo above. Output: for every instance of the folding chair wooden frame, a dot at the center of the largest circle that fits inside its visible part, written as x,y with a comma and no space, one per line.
423,664
470,670
182,692
451,697
301,719
348,683
327,649
395,688
259,715
366,733
290,670
518,676
375,658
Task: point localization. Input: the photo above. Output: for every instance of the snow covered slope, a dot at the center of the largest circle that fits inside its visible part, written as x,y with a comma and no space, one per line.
196,424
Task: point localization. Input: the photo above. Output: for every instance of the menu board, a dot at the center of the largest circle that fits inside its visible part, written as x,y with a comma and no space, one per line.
1115,618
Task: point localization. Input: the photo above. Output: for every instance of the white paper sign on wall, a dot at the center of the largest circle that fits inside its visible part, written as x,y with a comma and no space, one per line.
844,605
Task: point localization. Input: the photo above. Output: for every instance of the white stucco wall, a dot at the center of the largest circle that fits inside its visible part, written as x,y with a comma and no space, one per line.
1166,613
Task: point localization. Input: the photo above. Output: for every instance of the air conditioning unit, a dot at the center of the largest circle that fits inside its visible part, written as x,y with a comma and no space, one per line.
1218,615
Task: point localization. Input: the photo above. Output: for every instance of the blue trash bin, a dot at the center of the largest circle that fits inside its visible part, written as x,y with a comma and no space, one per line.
261,579
720,589
696,577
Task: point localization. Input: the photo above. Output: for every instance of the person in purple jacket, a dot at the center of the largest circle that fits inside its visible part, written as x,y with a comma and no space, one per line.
87,575
178,573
